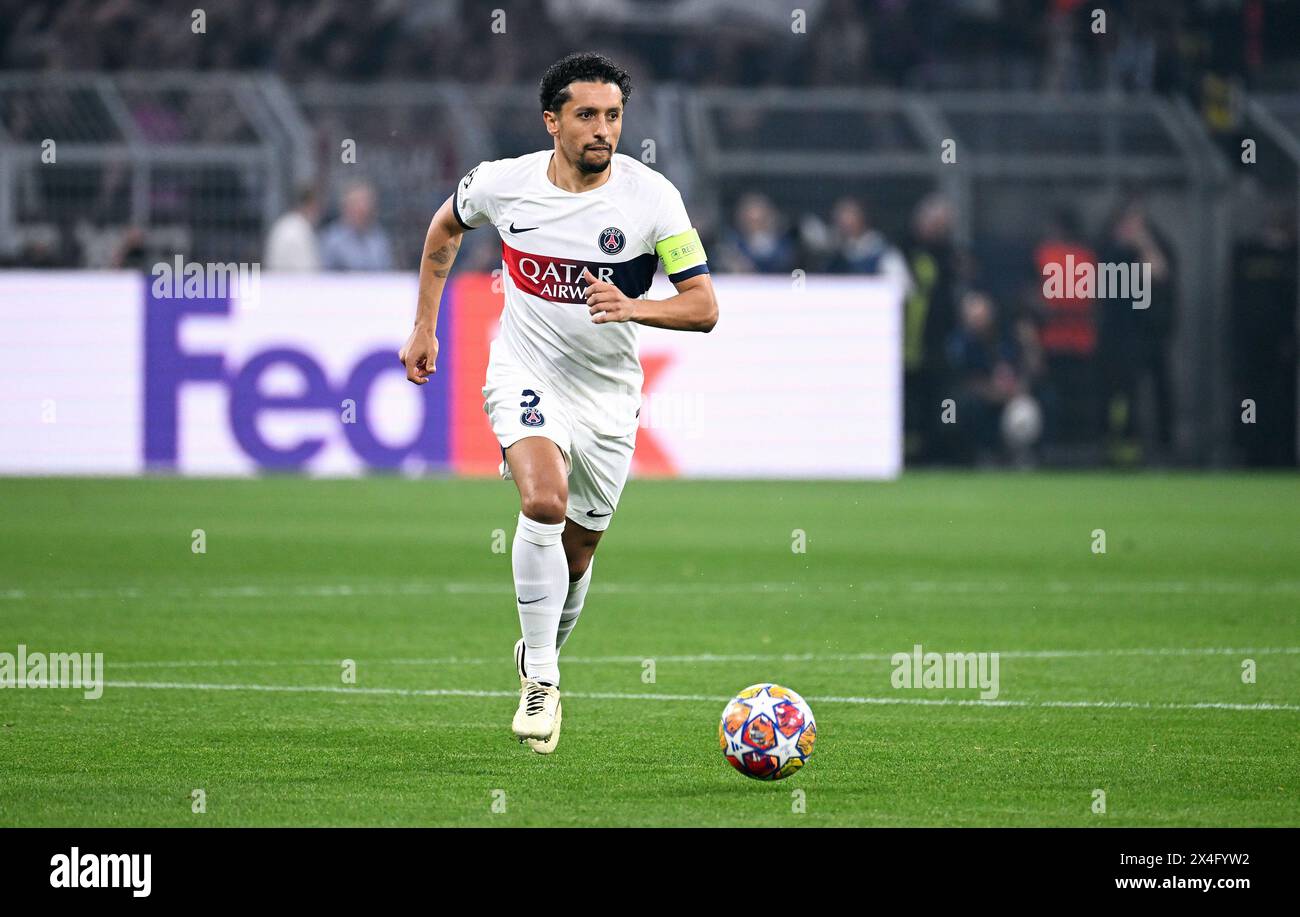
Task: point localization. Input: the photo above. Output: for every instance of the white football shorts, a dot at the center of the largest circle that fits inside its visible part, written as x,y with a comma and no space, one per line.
520,404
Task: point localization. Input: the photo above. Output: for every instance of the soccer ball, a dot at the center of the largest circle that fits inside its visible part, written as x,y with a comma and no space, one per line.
1022,422
767,732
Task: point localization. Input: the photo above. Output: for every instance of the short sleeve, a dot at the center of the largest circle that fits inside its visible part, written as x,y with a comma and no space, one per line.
676,242
672,218
475,203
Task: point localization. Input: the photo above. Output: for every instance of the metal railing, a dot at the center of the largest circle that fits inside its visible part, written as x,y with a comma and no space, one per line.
210,158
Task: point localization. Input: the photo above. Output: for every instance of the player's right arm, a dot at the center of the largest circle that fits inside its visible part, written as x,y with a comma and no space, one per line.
420,353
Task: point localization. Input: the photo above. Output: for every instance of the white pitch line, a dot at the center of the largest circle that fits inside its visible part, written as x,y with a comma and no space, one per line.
711,657
702,698
391,590
310,689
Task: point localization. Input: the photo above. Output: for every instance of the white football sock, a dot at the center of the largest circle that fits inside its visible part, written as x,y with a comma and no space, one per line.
541,586
573,605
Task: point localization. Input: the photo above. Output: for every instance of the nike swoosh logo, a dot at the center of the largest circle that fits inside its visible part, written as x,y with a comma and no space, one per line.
529,602
522,228
595,515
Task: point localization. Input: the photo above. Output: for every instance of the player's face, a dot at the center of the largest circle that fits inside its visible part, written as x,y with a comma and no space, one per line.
589,125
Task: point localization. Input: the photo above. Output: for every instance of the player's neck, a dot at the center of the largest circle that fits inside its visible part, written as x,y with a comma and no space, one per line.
568,177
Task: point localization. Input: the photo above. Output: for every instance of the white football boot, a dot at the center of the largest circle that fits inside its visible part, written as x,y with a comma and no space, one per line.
537,721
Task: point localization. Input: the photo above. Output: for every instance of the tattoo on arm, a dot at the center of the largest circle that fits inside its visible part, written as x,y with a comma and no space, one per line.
443,258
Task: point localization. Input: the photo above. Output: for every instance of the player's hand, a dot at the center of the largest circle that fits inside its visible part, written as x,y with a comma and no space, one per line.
419,355
606,302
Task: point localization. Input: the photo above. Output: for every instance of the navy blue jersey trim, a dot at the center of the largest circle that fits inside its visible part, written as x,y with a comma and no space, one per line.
688,273
635,276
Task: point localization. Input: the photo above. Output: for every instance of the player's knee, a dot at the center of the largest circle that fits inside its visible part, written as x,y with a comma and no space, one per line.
577,567
547,507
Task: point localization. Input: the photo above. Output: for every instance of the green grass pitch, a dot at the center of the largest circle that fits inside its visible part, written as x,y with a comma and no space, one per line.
1119,672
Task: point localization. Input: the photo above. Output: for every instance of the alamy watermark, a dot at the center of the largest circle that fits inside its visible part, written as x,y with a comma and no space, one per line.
1107,280
919,669
103,870
181,279
53,670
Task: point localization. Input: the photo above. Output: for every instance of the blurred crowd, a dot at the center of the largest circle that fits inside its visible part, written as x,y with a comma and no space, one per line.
1161,45
996,372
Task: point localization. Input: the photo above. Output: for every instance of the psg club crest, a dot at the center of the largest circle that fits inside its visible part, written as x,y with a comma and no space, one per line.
532,418
611,240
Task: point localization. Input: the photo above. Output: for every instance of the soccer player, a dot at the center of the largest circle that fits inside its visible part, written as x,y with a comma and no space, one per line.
582,230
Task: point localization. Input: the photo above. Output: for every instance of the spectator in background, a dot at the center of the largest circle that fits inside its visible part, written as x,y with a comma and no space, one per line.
131,253
291,244
757,244
858,248
354,242
1265,344
986,371
1068,335
928,319
1133,343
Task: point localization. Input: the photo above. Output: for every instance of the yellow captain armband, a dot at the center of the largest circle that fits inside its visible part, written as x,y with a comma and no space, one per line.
683,255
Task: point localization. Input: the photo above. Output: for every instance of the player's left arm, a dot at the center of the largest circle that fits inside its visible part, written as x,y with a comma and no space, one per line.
694,308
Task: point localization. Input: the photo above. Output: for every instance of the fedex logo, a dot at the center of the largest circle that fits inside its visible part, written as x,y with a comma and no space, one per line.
171,369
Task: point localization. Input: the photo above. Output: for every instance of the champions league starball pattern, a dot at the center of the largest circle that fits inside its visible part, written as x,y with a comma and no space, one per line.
767,732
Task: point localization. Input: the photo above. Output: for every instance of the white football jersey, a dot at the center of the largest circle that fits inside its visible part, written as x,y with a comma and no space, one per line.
618,231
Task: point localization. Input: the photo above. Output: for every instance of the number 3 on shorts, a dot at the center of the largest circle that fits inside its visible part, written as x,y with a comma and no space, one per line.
531,417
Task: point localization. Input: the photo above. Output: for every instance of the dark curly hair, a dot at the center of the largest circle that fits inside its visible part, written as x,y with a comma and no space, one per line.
581,66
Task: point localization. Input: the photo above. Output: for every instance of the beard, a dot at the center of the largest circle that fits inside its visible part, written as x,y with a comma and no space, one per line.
594,168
